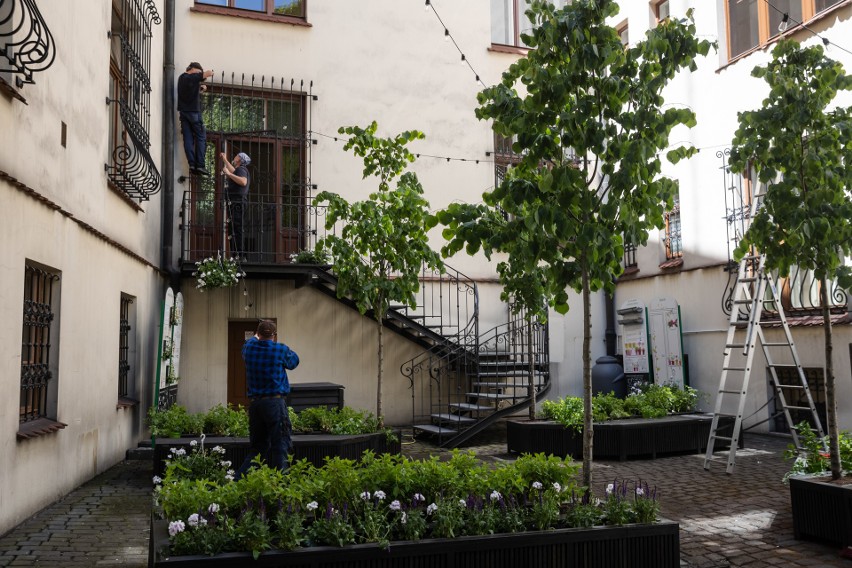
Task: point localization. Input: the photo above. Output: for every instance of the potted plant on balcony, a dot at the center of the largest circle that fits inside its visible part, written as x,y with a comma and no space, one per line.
402,513
219,272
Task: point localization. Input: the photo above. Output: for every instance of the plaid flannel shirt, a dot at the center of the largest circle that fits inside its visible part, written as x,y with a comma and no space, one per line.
266,366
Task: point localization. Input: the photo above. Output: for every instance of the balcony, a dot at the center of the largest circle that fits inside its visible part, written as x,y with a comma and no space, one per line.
272,231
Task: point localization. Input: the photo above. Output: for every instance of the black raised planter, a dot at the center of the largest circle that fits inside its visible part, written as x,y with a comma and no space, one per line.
617,439
821,510
629,546
313,447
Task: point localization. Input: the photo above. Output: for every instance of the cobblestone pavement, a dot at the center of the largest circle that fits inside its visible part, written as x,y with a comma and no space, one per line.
725,520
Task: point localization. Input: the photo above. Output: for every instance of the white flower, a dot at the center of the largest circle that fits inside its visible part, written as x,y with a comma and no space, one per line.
380,495
365,495
157,480
419,497
640,491
193,520
230,472
395,506
431,509
219,450
202,521
610,488
462,502
176,527
229,476
193,443
312,506
404,518
213,508
557,487
495,495
180,452
536,485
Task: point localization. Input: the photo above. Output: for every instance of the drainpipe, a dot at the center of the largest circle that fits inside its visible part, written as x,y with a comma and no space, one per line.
168,158
609,334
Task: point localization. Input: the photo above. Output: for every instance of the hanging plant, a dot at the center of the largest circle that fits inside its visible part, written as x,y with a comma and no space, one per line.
167,349
171,377
217,272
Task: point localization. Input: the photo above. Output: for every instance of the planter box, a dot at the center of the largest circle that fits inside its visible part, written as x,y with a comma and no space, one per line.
629,546
314,447
308,395
821,510
617,439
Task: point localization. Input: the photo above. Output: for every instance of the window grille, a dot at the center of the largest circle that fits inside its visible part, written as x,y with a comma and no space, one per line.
131,168
26,44
629,253
674,244
36,373
124,347
789,376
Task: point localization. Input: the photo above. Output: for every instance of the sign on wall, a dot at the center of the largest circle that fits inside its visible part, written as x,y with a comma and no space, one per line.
666,341
632,316
171,326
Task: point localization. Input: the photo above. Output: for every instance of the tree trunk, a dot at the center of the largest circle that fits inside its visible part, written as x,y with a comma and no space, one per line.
379,410
588,433
830,401
530,353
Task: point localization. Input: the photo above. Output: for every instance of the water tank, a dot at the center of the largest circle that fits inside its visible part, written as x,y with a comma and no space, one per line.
608,375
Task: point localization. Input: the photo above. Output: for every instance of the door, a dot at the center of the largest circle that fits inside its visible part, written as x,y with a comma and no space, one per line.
205,223
238,333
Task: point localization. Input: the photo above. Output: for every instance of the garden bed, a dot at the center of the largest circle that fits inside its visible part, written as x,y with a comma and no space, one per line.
627,546
313,447
618,439
821,510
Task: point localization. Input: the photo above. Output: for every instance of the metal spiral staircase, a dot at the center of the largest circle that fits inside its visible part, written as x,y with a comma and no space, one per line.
463,381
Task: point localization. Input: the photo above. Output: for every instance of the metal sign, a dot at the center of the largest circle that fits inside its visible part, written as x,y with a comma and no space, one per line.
666,341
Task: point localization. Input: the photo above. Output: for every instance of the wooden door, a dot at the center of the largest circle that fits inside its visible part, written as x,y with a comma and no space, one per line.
238,333
206,220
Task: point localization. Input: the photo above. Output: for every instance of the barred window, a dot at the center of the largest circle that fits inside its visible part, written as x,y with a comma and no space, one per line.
629,252
673,242
38,367
125,352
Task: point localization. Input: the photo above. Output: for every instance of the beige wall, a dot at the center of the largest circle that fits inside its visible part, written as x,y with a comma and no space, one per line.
73,236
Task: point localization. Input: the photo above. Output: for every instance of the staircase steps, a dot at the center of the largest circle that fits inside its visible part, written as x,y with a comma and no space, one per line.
434,429
453,418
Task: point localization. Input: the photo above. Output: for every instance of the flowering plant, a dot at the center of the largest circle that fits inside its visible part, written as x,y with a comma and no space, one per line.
812,457
217,272
307,256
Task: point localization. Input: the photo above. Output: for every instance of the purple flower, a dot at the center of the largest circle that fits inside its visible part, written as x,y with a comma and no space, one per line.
176,527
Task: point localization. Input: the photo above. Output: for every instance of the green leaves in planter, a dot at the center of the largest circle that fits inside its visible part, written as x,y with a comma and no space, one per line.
220,420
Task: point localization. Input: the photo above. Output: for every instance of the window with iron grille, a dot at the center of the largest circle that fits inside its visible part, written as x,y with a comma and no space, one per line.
798,397
131,169
125,368
38,366
629,253
504,157
673,242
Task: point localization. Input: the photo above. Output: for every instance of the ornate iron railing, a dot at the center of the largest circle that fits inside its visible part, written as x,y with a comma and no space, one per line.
799,291
131,168
274,229
36,347
26,44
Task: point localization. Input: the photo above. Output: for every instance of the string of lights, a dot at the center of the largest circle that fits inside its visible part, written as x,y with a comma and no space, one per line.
418,155
449,37
786,20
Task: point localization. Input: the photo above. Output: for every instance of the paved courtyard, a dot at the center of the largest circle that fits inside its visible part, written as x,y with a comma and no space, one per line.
726,520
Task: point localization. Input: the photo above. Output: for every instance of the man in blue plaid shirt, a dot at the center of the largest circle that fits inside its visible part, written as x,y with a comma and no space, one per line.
270,430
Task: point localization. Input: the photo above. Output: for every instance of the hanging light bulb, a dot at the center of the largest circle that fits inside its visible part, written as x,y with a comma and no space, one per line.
477,78
782,27
428,5
446,34
463,59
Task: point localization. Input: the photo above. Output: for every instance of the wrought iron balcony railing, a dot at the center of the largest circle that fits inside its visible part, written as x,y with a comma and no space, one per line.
26,44
272,230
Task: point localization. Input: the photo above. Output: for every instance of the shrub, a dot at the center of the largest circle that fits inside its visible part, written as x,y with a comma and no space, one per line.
813,457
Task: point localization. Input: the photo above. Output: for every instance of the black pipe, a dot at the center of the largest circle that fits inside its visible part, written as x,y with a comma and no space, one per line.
168,158
609,334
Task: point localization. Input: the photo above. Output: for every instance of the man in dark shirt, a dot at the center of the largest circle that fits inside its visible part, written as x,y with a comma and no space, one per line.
189,89
270,430
238,179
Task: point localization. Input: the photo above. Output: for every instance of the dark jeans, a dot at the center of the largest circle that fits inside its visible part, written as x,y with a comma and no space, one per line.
238,211
194,138
269,434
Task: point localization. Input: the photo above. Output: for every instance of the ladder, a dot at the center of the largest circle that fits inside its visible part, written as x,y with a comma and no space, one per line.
755,288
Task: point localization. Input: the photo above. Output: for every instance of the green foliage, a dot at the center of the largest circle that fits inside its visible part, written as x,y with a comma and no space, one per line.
813,459
219,272
336,421
220,420
647,401
310,257
226,421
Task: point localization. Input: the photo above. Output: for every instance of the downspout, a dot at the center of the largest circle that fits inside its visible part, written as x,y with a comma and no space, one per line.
610,335
168,158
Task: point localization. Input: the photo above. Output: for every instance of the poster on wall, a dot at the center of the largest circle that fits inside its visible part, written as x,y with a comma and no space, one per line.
666,341
169,350
634,337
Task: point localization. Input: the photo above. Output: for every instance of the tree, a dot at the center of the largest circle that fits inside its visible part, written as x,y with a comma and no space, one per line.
589,128
802,151
383,244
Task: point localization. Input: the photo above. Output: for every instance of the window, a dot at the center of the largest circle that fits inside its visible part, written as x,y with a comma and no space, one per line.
130,168
621,30
755,22
504,157
674,245
126,352
291,8
659,11
38,346
630,264
509,20
797,397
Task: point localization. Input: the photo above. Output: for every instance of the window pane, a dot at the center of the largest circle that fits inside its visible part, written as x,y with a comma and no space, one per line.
743,26
213,2
793,8
524,24
824,4
662,10
289,7
624,36
502,22
254,5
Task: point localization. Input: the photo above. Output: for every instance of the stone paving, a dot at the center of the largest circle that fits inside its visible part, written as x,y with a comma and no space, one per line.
725,520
